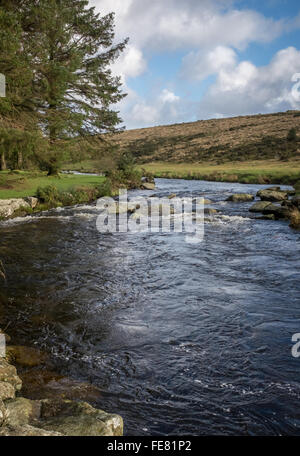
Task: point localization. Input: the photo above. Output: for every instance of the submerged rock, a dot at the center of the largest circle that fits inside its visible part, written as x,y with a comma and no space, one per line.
240,197
42,384
25,356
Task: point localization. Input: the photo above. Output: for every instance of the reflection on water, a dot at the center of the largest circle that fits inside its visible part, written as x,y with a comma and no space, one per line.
181,338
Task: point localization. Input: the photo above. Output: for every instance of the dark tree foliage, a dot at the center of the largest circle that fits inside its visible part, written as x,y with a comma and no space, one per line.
58,57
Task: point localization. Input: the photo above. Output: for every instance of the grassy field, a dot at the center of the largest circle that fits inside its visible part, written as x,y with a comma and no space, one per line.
269,171
25,183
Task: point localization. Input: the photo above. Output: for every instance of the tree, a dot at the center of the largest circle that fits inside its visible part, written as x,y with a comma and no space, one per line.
17,110
70,49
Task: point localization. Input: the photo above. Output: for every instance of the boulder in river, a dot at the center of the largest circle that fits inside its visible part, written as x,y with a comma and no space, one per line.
295,219
148,186
272,195
279,212
296,201
210,211
259,206
240,197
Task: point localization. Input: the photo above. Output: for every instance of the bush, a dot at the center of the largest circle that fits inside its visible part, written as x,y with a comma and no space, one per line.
292,135
49,194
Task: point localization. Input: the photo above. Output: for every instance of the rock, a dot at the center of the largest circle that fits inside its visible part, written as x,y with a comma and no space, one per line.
173,195
207,201
25,356
79,419
7,391
8,374
259,206
275,189
279,212
210,211
295,219
9,206
267,217
148,186
26,431
296,201
272,195
22,411
42,384
240,197
3,413
32,201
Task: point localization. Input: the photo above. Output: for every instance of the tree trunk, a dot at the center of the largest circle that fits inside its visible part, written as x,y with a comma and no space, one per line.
20,159
3,162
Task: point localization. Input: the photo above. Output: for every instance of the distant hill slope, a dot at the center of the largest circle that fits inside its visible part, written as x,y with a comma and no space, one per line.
257,137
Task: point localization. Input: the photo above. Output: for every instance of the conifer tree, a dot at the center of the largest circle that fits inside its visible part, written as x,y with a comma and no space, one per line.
71,49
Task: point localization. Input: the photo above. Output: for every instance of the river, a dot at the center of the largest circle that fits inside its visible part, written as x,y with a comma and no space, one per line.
181,338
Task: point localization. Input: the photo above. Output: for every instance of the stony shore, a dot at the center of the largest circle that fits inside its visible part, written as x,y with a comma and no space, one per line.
51,416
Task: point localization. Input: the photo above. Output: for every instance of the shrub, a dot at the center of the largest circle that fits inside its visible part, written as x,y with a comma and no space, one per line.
292,135
48,194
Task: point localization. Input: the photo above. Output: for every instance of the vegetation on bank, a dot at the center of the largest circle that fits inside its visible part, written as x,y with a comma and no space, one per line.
18,184
68,189
251,172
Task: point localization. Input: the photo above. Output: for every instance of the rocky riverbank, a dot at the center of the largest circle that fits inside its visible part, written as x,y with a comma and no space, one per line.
55,415
9,206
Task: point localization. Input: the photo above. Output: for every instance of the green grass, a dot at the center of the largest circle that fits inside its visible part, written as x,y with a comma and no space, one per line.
259,171
25,183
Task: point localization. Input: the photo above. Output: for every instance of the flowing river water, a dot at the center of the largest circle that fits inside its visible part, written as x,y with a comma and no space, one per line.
180,338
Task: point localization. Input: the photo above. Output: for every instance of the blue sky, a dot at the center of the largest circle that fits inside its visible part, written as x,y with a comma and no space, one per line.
199,59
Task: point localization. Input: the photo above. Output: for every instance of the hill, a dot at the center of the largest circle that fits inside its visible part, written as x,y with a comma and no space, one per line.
256,137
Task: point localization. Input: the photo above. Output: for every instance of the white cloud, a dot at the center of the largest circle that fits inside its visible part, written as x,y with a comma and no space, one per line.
165,107
246,88
167,96
200,65
174,24
131,63
211,32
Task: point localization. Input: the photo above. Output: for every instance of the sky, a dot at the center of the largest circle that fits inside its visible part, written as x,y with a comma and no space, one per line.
189,60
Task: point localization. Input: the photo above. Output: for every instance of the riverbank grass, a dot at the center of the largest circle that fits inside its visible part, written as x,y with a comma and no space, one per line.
19,184
250,172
